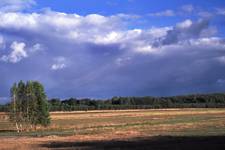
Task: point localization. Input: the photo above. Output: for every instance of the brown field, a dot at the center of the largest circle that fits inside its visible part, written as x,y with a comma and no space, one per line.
161,129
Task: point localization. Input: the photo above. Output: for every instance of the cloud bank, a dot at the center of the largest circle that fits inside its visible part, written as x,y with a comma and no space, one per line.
99,56
15,5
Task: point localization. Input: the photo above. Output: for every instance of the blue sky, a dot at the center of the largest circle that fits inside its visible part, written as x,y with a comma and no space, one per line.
100,49
109,7
136,7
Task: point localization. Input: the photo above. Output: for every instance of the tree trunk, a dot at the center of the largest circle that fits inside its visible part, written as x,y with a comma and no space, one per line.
17,128
31,127
21,127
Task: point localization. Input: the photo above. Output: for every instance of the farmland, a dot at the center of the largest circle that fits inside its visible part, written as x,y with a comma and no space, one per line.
127,129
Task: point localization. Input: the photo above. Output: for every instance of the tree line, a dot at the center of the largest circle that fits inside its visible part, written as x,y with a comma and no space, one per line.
29,99
216,100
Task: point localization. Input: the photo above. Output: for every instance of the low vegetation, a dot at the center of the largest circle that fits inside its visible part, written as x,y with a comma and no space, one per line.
68,128
120,122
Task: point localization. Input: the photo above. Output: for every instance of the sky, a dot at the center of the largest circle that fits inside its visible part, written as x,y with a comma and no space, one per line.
105,48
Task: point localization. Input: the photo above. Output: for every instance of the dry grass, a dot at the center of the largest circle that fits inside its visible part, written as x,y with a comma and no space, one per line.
86,126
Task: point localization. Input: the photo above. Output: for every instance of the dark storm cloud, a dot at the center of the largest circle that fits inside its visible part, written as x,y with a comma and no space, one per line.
184,31
92,56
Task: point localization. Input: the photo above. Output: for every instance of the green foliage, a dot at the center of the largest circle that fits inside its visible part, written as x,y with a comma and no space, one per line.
31,100
29,105
216,100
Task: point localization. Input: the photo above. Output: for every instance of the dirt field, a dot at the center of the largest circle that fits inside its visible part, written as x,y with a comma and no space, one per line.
162,129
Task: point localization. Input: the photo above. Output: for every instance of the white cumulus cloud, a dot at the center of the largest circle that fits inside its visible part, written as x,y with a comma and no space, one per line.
185,24
187,8
167,13
19,51
101,54
59,63
15,5
220,11
17,54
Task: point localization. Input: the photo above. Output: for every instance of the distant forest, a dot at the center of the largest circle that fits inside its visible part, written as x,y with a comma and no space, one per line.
216,100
